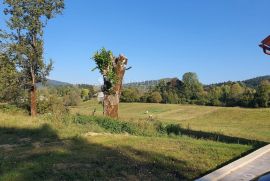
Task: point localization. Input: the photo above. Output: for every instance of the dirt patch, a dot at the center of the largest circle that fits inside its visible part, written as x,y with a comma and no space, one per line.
25,139
64,166
8,147
103,134
96,134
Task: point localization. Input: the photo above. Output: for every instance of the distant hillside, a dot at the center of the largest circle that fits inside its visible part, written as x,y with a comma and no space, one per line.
56,83
147,83
144,85
53,83
256,81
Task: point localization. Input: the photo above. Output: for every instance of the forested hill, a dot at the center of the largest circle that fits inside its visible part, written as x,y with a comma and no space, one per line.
54,83
147,83
254,82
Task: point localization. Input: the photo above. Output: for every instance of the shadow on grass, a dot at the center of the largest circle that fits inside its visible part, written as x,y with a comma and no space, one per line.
178,130
39,154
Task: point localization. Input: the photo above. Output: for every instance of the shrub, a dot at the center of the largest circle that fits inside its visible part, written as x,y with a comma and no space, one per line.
112,125
10,108
154,97
51,104
130,95
73,98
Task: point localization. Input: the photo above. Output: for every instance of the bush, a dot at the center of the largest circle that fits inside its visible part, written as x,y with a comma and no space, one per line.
130,95
9,108
112,125
51,104
73,98
154,97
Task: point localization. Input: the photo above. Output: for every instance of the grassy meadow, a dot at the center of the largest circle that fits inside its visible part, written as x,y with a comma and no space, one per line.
245,123
81,147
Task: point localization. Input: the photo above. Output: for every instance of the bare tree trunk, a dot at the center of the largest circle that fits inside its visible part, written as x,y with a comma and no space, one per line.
111,100
33,98
33,91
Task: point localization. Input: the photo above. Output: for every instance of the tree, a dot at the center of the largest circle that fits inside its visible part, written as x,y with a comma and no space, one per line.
90,89
130,95
236,91
214,95
154,97
10,88
263,94
193,89
27,20
73,97
85,94
113,69
247,98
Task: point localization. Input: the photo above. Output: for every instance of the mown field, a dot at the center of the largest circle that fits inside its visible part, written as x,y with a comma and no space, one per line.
253,124
78,147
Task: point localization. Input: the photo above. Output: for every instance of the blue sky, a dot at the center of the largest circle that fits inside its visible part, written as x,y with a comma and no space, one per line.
162,38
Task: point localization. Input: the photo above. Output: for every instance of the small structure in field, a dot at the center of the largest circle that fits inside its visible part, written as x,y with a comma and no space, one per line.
100,97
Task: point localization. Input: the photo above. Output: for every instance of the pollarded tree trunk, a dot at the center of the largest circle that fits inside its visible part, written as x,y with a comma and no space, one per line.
111,99
111,104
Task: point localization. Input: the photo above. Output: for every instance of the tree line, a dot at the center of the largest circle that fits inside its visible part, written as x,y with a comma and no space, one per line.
190,90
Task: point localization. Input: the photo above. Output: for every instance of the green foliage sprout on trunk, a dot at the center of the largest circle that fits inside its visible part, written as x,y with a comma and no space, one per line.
104,60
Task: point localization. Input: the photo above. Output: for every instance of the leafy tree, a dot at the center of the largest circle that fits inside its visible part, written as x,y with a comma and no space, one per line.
130,95
50,102
247,99
154,97
92,92
10,89
85,94
90,89
26,23
214,95
144,97
225,94
236,91
193,89
172,97
170,91
73,98
113,69
62,90
263,94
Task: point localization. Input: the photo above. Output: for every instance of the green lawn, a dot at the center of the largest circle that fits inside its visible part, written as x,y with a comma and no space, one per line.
46,148
246,123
